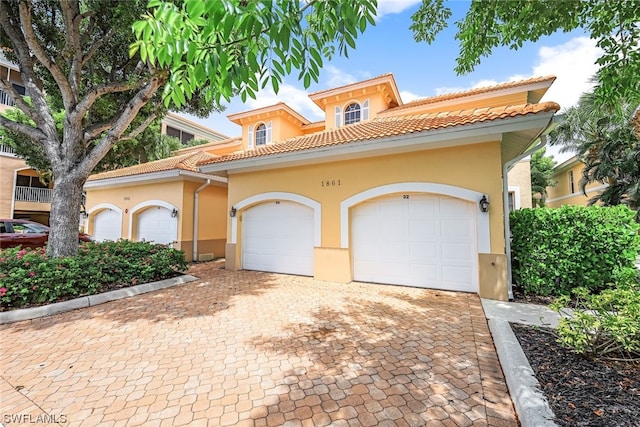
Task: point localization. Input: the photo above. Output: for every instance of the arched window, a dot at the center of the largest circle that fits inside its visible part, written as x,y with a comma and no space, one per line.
352,114
261,135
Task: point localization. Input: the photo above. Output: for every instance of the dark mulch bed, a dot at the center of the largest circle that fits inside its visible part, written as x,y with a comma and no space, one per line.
580,391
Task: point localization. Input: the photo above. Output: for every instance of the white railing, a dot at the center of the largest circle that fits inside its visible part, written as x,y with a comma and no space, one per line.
5,149
6,99
33,194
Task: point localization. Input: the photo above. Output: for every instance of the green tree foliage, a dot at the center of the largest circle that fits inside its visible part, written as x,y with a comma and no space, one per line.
492,23
253,44
541,177
113,67
605,140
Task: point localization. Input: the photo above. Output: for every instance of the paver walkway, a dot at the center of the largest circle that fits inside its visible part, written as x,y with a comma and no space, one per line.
248,348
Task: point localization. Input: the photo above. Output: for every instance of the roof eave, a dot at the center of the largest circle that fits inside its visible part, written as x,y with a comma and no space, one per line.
153,177
429,139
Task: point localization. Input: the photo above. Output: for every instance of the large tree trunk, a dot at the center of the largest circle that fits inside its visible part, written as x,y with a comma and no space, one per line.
65,216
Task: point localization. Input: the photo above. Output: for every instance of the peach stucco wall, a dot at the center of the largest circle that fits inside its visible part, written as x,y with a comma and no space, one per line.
561,194
178,193
468,167
520,176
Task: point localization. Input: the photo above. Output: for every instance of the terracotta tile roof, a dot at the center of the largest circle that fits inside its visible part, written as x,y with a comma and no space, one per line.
187,162
471,92
210,145
382,127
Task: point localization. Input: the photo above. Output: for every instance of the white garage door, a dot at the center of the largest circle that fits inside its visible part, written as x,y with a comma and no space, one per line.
420,240
278,236
107,225
156,225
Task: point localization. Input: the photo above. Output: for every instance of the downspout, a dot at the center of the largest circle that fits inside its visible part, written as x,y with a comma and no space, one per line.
196,205
505,203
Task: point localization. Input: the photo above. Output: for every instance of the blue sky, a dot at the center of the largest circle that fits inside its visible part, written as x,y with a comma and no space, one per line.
423,70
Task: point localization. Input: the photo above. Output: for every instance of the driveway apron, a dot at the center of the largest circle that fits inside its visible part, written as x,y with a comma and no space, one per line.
250,348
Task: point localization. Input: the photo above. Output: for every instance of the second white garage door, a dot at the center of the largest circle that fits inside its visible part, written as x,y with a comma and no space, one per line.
278,237
419,240
155,224
107,225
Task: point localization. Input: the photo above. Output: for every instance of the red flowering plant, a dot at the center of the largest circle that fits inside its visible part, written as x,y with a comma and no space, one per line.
29,277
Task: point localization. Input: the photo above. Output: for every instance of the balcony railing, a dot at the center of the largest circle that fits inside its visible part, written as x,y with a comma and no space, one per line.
5,149
33,194
6,99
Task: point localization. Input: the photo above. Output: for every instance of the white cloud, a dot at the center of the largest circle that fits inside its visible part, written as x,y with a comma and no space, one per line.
387,7
407,96
573,63
297,99
337,77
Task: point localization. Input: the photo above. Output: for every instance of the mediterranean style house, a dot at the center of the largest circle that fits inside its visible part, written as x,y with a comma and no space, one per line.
380,191
23,195
567,190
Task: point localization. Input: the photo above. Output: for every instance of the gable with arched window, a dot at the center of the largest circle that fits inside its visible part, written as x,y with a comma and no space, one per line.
354,112
260,136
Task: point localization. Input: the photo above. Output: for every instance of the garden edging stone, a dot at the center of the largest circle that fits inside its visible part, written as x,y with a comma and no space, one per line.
531,406
90,300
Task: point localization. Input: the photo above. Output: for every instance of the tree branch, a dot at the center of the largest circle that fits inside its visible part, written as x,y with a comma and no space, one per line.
40,112
90,98
95,47
6,86
123,121
137,131
34,46
34,133
73,48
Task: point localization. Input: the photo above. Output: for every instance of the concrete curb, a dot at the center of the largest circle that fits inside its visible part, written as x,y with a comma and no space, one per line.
91,300
531,406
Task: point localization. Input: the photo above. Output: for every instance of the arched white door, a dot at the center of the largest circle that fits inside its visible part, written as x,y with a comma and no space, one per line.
107,225
415,239
278,236
155,224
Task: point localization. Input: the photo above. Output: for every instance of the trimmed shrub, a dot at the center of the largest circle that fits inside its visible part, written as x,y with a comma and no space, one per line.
606,325
556,250
29,277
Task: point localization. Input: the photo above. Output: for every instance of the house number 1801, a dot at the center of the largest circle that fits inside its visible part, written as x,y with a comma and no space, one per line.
331,183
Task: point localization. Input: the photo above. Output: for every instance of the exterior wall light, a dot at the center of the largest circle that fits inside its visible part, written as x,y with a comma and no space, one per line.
484,203
232,212
174,213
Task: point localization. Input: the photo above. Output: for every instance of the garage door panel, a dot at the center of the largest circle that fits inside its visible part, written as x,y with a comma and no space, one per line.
278,237
454,207
155,224
421,240
107,225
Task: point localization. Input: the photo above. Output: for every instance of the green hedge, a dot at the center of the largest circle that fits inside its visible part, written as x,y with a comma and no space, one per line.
29,277
556,250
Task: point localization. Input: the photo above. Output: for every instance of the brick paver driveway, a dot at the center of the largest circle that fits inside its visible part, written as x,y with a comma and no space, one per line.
245,348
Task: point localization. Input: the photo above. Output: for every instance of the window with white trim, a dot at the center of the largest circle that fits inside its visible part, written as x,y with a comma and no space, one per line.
352,114
261,135
572,186
512,201
338,116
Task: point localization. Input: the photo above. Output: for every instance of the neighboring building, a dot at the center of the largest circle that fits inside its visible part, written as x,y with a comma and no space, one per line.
23,195
380,191
567,190
519,184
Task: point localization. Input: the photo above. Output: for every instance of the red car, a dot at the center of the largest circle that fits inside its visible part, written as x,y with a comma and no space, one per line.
28,234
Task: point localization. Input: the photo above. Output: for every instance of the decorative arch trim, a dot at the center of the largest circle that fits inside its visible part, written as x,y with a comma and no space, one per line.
277,195
103,206
143,205
482,219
